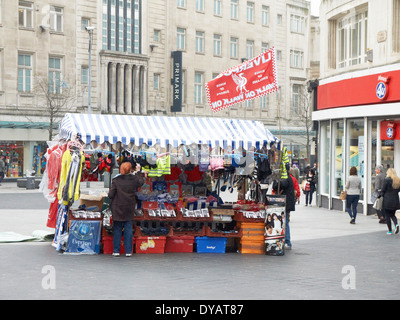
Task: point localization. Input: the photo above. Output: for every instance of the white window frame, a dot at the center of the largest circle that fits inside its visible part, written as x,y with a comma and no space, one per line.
352,52
250,12
180,38
296,91
265,15
56,19
217,47
25,12
218,8
234,47
297,24
249,49
234,9
198,87
25,71
55,74
200,36
296,59
200,5
181,3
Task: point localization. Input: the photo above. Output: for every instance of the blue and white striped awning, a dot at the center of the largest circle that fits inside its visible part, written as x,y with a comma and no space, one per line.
165,131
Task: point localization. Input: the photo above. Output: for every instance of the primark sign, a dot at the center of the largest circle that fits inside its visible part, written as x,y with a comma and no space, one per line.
176,81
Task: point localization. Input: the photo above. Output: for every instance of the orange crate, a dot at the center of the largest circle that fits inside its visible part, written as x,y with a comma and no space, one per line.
252,231
253,247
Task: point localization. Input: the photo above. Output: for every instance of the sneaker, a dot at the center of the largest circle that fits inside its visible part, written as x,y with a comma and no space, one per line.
389,232
397,229
128,254
352,221
115,254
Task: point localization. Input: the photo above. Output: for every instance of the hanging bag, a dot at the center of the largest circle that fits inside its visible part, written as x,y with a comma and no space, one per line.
343,195
378,204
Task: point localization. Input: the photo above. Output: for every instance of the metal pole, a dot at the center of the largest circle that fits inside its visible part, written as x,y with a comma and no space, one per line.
90,71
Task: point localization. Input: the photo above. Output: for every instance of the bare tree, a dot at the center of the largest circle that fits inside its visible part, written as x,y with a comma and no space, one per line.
304,114
53,99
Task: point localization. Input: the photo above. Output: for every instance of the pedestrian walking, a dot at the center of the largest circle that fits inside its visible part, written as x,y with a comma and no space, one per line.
2,170
353,189
123,200
379,179
310,188
390,192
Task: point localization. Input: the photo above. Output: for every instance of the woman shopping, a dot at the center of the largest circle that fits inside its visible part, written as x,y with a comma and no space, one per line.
390,192
353,189
123,201
310,186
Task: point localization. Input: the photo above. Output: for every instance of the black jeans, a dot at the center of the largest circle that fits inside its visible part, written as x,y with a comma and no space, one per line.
390,214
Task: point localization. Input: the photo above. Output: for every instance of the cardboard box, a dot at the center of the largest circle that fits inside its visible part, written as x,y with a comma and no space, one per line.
91,200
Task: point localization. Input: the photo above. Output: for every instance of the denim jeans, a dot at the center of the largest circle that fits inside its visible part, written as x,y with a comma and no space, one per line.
287,229
128,236
351,205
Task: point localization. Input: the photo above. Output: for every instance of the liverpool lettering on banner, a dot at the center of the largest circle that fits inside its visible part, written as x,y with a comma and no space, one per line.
251,79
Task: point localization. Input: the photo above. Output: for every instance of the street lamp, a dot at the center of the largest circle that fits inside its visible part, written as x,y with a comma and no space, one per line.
90,30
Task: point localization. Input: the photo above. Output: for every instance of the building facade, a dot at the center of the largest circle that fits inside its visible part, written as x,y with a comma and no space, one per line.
45,68
358,101
216,35
37,76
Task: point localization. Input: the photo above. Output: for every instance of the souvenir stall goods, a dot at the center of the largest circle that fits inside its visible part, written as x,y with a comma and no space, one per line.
179,208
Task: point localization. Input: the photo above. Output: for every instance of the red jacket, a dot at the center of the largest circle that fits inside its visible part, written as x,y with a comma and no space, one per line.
296,186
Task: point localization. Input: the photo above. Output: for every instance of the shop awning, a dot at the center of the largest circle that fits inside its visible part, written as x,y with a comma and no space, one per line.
164,130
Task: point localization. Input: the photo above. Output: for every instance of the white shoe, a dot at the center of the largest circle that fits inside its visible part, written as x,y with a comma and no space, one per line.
128,254
115,254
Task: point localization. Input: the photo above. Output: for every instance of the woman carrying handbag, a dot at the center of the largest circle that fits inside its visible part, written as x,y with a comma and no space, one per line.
390,192
353,190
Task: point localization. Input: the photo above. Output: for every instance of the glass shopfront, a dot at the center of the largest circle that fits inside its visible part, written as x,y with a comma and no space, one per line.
13,155
338,145
356,150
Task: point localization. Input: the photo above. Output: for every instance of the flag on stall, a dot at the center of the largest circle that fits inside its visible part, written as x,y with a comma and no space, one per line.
251,79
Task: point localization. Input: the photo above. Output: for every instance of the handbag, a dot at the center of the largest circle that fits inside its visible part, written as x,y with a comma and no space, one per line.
307,186
378,204
343,195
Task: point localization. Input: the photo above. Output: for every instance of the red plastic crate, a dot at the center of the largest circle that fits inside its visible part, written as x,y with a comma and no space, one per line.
150,244
107,242
179,244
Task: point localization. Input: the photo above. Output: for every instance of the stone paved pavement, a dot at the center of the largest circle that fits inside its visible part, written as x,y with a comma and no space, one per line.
330,259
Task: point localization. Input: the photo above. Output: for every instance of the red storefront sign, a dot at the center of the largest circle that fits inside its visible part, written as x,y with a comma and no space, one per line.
371,89
390,130
251,79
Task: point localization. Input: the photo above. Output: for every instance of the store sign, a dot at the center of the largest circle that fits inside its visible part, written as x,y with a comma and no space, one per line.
176,81
364,90
389,130
382,88
251,79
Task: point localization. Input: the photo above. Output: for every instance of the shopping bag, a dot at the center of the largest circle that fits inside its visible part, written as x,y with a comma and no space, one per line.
307,186
343,195
378,204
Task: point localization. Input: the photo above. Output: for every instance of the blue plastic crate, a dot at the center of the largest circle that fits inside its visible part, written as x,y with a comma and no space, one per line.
211,244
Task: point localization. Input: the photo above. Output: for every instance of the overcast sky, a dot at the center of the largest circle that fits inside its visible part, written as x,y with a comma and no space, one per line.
315,7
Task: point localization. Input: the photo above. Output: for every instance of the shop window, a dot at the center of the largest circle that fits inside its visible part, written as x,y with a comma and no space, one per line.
324,161
355,152
373,157
13,156
338,136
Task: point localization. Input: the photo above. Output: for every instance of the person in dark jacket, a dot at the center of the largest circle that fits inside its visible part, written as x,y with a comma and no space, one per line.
390,192
287,188
123,201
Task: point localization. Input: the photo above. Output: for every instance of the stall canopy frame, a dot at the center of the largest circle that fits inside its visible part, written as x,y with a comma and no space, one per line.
164,130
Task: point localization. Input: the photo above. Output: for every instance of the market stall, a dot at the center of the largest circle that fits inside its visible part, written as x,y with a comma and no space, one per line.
191,163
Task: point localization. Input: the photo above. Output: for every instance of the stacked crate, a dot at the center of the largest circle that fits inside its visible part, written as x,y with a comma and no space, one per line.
252,240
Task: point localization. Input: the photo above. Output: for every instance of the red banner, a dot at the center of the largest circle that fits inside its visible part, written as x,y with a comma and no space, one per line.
251,79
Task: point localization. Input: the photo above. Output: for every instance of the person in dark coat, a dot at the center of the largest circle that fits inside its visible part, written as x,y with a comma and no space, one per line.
123,201
287,188
390,192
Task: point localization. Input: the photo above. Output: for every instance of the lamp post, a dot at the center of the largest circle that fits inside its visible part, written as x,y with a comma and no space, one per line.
90,30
